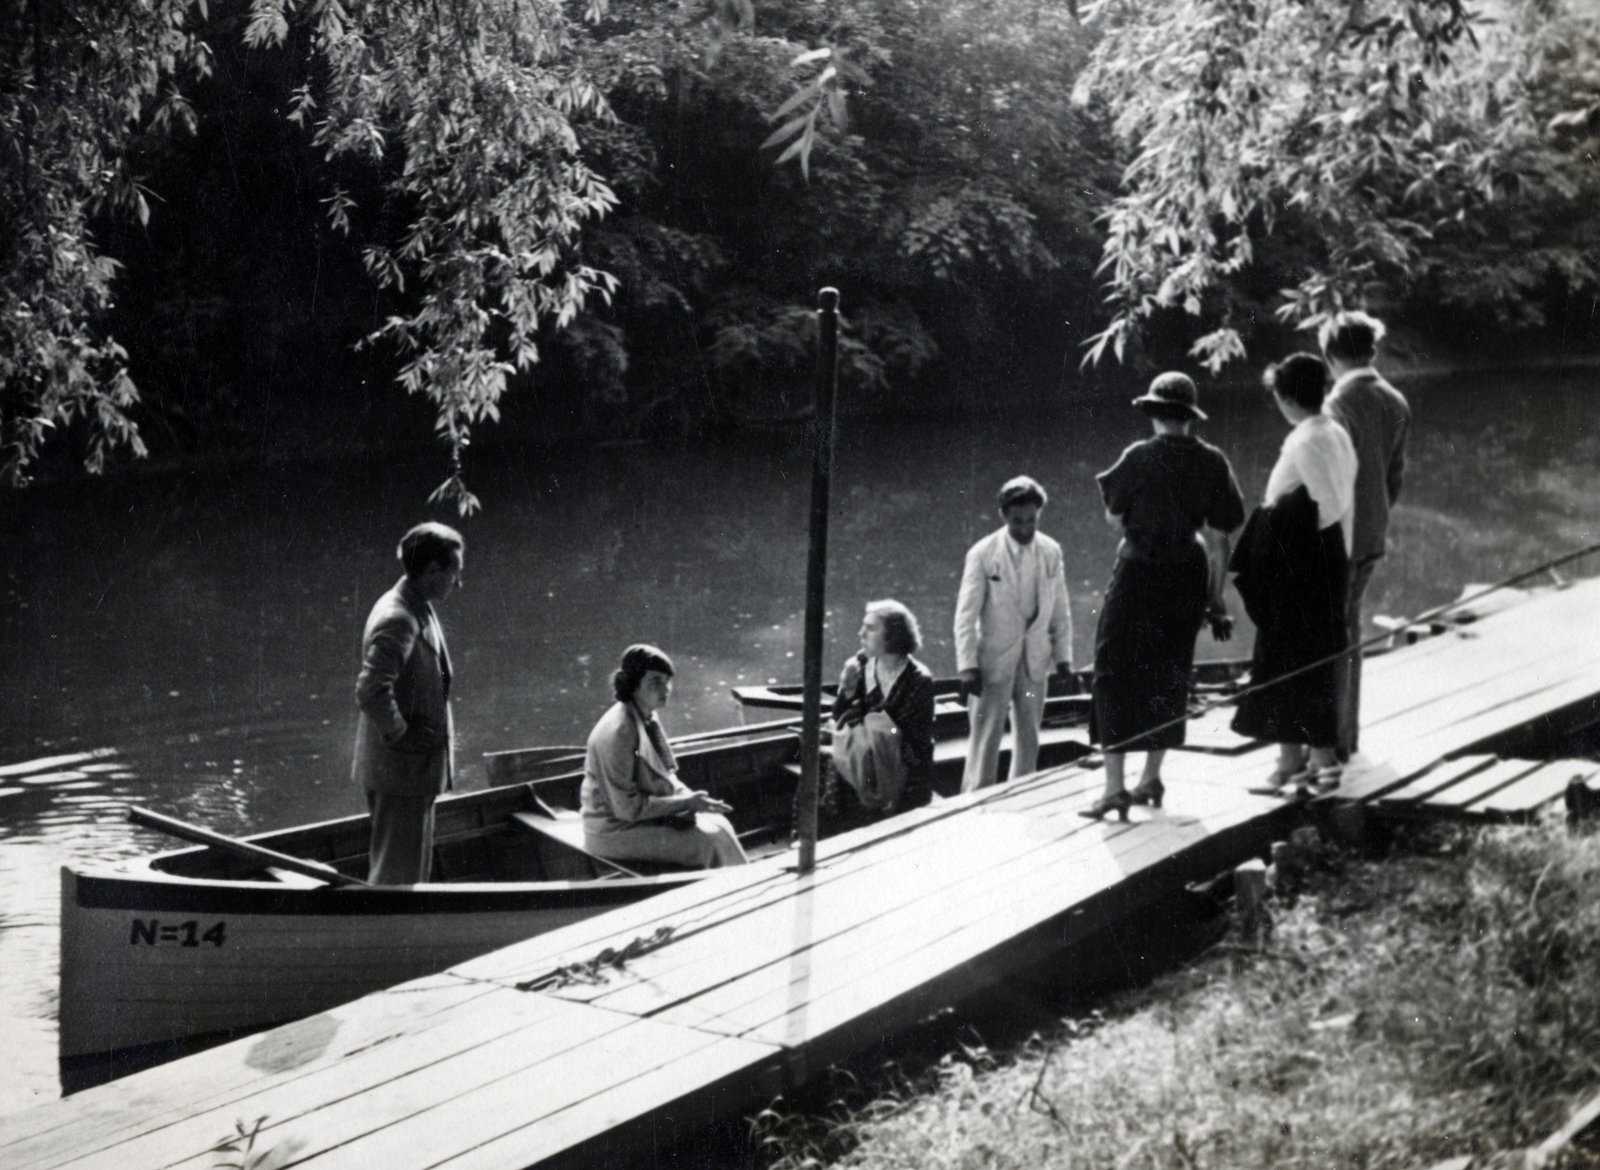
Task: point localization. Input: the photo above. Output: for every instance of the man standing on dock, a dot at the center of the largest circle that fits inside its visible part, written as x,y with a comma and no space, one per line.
405,740
1378,419
1012,621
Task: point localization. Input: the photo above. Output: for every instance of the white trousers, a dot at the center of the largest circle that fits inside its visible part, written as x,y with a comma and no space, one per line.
1024,698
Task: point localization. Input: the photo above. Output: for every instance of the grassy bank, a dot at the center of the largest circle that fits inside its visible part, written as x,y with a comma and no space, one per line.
1441,1001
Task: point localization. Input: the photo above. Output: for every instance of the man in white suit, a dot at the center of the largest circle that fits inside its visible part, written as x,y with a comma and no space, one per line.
1012,623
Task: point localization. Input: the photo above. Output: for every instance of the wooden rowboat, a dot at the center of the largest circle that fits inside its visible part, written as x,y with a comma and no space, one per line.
1064,704
174,952
170,953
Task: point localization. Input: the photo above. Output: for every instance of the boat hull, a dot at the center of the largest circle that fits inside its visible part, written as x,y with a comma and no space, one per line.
153,965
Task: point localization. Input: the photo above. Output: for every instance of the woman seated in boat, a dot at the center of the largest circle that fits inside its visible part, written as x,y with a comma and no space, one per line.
634,806
1293,567
1175,500
883,718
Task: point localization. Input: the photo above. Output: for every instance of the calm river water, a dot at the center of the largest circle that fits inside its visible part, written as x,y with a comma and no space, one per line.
188,643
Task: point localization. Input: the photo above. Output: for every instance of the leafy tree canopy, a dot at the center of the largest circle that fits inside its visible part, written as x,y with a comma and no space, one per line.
627,205
76,78
1386,136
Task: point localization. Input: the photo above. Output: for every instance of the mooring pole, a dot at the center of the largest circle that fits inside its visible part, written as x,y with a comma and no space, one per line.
817,573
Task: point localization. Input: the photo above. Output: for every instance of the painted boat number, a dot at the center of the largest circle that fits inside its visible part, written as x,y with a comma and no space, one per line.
185,934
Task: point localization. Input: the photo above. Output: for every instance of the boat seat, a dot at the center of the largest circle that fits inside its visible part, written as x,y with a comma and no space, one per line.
299,881
566,826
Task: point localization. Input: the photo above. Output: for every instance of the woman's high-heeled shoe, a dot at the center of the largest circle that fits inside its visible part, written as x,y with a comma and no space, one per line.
1117,801
1280,783
1149,792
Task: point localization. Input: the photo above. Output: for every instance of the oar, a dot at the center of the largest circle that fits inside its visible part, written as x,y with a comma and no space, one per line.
150,820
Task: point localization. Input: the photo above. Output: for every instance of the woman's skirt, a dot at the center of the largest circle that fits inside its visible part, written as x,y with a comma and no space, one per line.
867,757
1303,622
1144,651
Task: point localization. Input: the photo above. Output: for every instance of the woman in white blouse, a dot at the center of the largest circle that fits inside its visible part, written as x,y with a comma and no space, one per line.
1293,570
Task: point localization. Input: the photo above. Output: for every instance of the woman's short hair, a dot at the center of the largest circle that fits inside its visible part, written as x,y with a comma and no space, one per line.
901,635
429,543
1302,378
1351,337
638,660
1023,489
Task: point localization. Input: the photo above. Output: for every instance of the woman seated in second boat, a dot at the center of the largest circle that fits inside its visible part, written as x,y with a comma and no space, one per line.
883,716
1176,500
634,806
1293,569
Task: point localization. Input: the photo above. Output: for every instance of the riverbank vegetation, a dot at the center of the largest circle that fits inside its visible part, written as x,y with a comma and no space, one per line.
242,221
1436,1003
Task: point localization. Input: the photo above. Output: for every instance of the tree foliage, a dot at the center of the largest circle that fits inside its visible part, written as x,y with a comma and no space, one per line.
1374,129
927,159
468,110
77,79
625,207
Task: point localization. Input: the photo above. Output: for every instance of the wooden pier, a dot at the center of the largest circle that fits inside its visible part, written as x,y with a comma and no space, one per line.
703,1003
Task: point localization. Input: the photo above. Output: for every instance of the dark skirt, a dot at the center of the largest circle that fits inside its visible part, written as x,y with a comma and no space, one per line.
1144,651
1298,621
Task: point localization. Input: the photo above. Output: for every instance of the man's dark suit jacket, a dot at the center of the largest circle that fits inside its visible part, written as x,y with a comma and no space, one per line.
405,739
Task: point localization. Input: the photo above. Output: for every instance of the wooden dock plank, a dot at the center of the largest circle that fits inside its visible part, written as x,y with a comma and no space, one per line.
817,912
1399,687
858,943
422,1119
1500,774
943,856
646,1110
1212,733
819,987
1505,716
1445,715
837,860
1439,776
125,1110
1030,913
1529,793
367,1092
968,862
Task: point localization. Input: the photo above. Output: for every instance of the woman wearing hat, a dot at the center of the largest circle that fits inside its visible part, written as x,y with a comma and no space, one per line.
634,806
1163,493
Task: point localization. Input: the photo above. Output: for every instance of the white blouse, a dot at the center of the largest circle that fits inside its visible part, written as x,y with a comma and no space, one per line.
1318,453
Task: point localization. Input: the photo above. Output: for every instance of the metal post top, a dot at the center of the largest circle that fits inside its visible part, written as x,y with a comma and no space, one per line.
828,298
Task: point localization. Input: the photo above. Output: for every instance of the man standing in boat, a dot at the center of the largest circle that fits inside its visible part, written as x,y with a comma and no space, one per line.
1378,419
405,740
1012,623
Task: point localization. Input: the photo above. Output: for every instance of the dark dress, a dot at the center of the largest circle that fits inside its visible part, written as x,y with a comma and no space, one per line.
1165,489
1292,577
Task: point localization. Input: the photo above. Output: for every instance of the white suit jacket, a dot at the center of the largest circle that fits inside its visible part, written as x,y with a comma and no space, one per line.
990,633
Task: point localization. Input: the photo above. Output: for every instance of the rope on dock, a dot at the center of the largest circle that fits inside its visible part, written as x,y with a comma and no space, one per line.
592,971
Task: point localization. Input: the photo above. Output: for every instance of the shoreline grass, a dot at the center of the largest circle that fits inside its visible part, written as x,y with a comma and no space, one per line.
1439,1002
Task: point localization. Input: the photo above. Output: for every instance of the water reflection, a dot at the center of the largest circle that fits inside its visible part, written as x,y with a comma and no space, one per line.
189,643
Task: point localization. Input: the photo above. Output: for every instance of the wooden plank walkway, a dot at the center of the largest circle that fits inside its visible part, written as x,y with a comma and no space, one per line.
1480,787
753,980
1429,704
